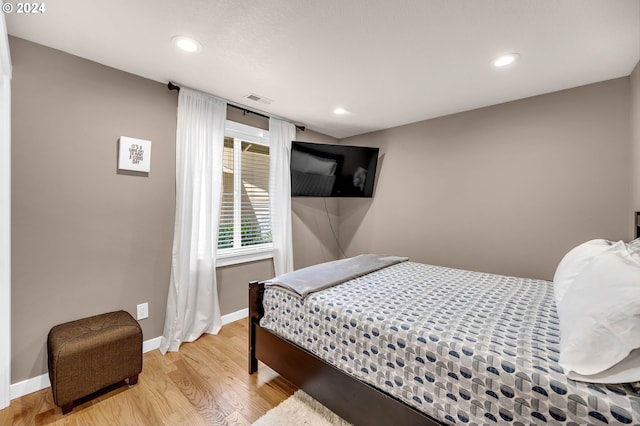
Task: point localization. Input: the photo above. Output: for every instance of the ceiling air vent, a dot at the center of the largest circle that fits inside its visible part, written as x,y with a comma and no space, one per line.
258,98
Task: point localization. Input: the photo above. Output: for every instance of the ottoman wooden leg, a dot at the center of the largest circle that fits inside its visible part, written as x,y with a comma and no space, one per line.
133,380
66,408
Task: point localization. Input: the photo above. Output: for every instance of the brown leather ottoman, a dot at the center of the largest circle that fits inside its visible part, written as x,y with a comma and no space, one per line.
92,353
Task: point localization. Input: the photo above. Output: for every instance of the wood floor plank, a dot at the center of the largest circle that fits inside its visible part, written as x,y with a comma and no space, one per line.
240,390
205,383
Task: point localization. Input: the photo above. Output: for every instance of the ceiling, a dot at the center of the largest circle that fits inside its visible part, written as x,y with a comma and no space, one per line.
388,62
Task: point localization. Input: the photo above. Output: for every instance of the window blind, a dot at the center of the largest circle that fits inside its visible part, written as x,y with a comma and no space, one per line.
244,215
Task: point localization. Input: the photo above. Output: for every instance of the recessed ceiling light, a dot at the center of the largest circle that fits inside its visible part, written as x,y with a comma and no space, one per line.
187,44
504,60
340,111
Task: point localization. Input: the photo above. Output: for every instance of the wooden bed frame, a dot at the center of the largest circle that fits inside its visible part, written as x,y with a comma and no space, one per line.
353,400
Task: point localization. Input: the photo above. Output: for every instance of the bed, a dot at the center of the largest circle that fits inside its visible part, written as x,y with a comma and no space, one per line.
412,343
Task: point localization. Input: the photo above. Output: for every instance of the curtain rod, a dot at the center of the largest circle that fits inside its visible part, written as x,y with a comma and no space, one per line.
173,86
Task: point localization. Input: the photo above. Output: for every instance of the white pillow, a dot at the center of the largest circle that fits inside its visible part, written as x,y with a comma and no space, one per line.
573,263
622,372
600,318
634,246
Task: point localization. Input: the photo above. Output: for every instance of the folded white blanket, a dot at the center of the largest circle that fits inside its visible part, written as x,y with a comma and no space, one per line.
325,275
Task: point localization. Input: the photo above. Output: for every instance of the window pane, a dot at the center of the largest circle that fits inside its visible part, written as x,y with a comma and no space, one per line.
225,230
255,223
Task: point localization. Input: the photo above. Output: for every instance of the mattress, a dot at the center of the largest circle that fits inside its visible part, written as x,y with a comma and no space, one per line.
463,347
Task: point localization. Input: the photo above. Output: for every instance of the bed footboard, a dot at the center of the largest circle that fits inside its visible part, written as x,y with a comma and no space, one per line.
256,311
353,400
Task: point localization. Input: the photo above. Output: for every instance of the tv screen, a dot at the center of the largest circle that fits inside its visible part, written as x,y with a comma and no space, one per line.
324,170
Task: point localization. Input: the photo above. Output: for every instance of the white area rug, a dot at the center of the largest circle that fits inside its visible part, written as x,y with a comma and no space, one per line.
300,409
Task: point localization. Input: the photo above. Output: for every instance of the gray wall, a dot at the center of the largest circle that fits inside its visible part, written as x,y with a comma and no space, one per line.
312,220
506,189
87,239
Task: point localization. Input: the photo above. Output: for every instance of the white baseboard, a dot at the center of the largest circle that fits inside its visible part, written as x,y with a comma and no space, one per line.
235,316
28,386
35,384
151,344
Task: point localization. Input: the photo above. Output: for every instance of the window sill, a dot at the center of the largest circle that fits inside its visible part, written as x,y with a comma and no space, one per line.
243,256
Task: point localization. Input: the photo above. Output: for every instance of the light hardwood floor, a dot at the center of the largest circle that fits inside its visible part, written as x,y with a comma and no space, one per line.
205,383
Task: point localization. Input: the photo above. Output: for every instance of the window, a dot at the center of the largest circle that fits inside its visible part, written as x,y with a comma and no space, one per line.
244,232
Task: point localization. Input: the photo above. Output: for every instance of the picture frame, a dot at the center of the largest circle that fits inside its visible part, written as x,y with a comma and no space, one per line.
134,154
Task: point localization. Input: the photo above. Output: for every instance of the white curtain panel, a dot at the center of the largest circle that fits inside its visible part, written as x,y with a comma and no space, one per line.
281,134
192,305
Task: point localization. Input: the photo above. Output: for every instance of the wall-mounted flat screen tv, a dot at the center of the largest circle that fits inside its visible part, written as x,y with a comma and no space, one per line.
325,170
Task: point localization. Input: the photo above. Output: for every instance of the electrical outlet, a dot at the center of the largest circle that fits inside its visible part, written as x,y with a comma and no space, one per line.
143,311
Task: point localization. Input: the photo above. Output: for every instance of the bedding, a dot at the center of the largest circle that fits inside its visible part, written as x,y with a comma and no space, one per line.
324,275
572,264
600,314
463,347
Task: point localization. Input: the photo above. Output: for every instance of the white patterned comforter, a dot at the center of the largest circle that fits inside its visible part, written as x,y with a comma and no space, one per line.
463,347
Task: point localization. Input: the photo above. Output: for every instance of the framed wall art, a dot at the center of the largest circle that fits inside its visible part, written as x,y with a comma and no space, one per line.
134,154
